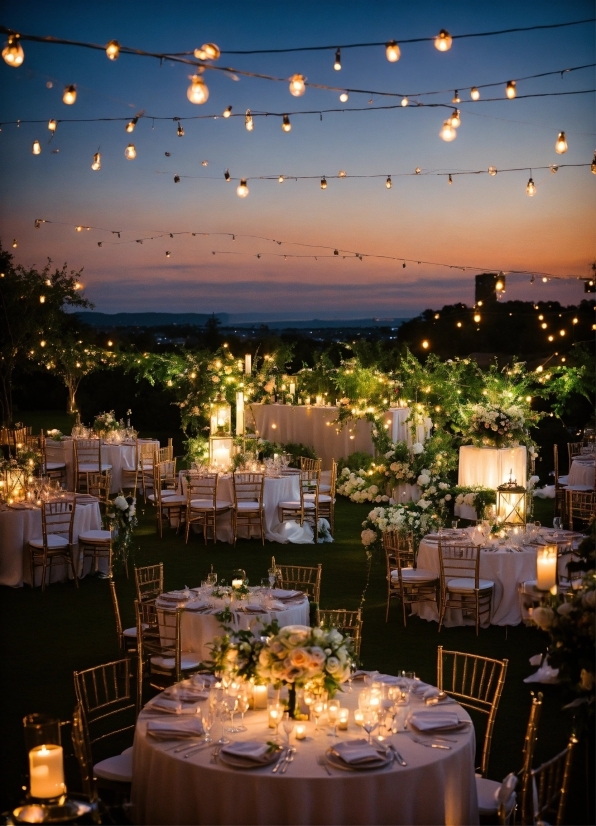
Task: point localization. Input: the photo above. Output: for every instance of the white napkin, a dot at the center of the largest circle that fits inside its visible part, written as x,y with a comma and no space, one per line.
356,751
425,691
254,606
196,605
185,695
175,730
545,674
162,703
248,750
280,593
506,789
434,720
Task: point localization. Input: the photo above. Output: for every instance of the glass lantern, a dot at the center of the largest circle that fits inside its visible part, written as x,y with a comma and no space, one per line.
239,578
221,417
512,504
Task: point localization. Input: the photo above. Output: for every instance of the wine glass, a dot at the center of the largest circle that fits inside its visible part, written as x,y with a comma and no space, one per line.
222,712
370,721
557,523
208,721
317,709
333,715
243,706
288,726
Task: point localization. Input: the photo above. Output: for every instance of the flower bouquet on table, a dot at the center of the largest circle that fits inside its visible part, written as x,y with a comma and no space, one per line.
418,517
105,423
495,425
55,435
122,520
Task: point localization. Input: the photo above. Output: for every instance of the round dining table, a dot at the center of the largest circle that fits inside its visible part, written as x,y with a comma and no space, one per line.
581,471
436,785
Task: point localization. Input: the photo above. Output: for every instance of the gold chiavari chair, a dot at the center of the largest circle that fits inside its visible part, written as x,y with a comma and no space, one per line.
327,497
310,464
127,637
108,705
306,507
129,476
301,578
476,683
548,786
461,586
55,470
17,437
97,545
169,476
580,506
560,484
56,542
147,462
202,505
82,751
87,459
149,582
99,485
33,442
249,510
574,449
168,504
405,581
348,623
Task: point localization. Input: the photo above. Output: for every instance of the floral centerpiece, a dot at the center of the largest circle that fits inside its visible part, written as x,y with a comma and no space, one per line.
475,496
106,423
123,521
494,425
418,517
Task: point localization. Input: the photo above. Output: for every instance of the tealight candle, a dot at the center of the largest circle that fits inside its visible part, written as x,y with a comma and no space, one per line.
46,770
344,715
546,567
358,717
237,583
275,712
300,731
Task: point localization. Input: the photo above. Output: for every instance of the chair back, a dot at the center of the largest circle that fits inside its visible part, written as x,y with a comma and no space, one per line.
163,454
556,463
301,578
147,455
99,486
459,561
248,487
167,472
333,482
16,437
309,484
117,616
57,517
82,751
476,683
104,693
550,785
527,792
33,442
149,582
399,549
87,452
348,623
203,487
158,635
580,505
310,464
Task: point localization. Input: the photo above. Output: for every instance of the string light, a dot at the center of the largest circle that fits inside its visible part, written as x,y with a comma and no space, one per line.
404,101
456,98
180,131
227,176
492,170
204,163
392,52
388,183
14,243
448,133
297,85
530,188
130,126
242,189
113,50
417,171
285,124
455,118
176,179
343,97
70,95
248,121
281,179
52,125
443,41
167,253
561,144
96,165
475,93
554,168
208,51
342,174
337,62
197,92
12,52
323,182
450,179
425,345
227,112
42,299
130,153
36,148
477,318
510,90
593,164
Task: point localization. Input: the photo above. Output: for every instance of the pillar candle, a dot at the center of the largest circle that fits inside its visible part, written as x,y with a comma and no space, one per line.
240,413
292,388
248,364
260,696
546,567
358,717
46,770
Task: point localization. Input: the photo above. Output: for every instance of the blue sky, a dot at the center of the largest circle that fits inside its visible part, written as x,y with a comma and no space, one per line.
480,222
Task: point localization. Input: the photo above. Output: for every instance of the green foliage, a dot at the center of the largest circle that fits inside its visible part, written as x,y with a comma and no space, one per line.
356,461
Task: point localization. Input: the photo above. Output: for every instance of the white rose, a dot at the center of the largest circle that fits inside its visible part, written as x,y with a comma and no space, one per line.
423,480
417,448
448,497
368,537
121,503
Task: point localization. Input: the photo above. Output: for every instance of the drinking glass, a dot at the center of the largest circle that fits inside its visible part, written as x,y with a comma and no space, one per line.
288,726
212,578
317,709
208,721
222,713
333,715
557,523
454,524
370,722
243,706
364,699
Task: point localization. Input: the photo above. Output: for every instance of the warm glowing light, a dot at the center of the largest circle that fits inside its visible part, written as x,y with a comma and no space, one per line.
70,95
12,52
36,148
458,324
323,182
281,179
448,133
510,89
297,85
593,164
388,183
425,345
337,61
342,173
343,97
110,343
492,170
52,125
499,286
455,118
561,144
539,369
449,179
544,325
227,112
551,338
15,243
130,126
575,321
404,101
130,153
544,279
540,317
562,332
42,299
474,93
285,124
530,188
456,98
242,189
392,51
437,315
180,131
248,121
477,318
113,50
96,165
197,92
208,51
168,253
443,41
42,343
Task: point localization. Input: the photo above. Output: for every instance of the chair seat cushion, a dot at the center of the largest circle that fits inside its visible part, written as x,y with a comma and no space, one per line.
117,768
54,541
130,632
207,504
93,467
187,660
95,536
562,480
295,505
324,488
172,501
415,575
323,497
487,791
464,584
580,488
167,494
246,505
55,466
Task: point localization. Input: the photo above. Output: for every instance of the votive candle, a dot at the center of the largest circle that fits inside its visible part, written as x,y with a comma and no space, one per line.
344,715
275,714
358,717
46,770
300,731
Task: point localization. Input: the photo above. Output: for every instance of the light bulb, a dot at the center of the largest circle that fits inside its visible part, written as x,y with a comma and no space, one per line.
477,318
297,85
455,119
474,93
204,163
15,243
52,125
404,101
561,144
281,179
554,168
342,173
456,98
392,52
36,148
593,164
492,170
227,176
510,89
12,52
113,50
337,63
530,188
197,92
96,165
130,126
388,183
285,124
343,97
449,179
242,189
69,96
227,112
42,299
248,121
417,170
323,182
79,228
448,133
167,253
180,131
443,41
130,153
208,51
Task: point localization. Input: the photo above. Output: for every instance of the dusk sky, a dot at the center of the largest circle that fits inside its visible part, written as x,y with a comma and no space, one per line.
480,222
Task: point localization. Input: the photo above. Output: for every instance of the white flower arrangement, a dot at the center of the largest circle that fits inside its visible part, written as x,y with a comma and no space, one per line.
418,517
356,486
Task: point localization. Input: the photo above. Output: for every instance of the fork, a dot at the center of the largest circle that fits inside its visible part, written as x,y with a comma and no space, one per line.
288,759
431,745
280,760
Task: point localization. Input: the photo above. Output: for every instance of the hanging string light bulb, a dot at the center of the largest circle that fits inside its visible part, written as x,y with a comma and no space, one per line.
248,121
456,98
530,188
167,253
280,179
113,50
227,176
455,119
197,92
227,112
297,85
242,189
130,153
285,124
448,133
70,95
388,183
449,179
208,51
337,62
417,170
180,130
593,164
404,101
475,93
52,125
15,243
554,169
392,52
12,52
323,182
130,126
443,41
510,89
343,97
96,165
561,144
36,148
492,170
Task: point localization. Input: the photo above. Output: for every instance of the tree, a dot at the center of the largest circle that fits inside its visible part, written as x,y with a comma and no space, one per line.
32,312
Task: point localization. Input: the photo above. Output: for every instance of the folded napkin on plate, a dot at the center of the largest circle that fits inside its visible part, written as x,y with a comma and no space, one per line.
248,750
196,605
280,593
162,703
255,607
424,690
175,730
356,752
434,720
182,594
185,695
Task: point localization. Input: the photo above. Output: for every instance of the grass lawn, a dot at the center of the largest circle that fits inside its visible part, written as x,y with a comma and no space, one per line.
47,636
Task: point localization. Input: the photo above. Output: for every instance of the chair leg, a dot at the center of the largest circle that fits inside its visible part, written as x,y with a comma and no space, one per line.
72,566
44,568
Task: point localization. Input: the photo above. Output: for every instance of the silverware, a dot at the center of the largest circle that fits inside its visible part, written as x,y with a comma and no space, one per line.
431,745
215,754
195,749
280,760
397,755
288,760
322,762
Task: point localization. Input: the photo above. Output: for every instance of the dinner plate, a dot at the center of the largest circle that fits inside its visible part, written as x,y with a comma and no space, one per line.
385,759
238,762
457,727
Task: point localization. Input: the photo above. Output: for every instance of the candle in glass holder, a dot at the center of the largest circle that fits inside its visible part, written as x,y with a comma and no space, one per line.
237,583
46,771
300,731
275,713
259,695
344,715
546,567
292,388
318,400
358,717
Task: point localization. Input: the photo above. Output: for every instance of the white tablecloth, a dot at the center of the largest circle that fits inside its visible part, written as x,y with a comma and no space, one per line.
120,456
437,786
491,466
581,472
399,431
17,527
275,490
